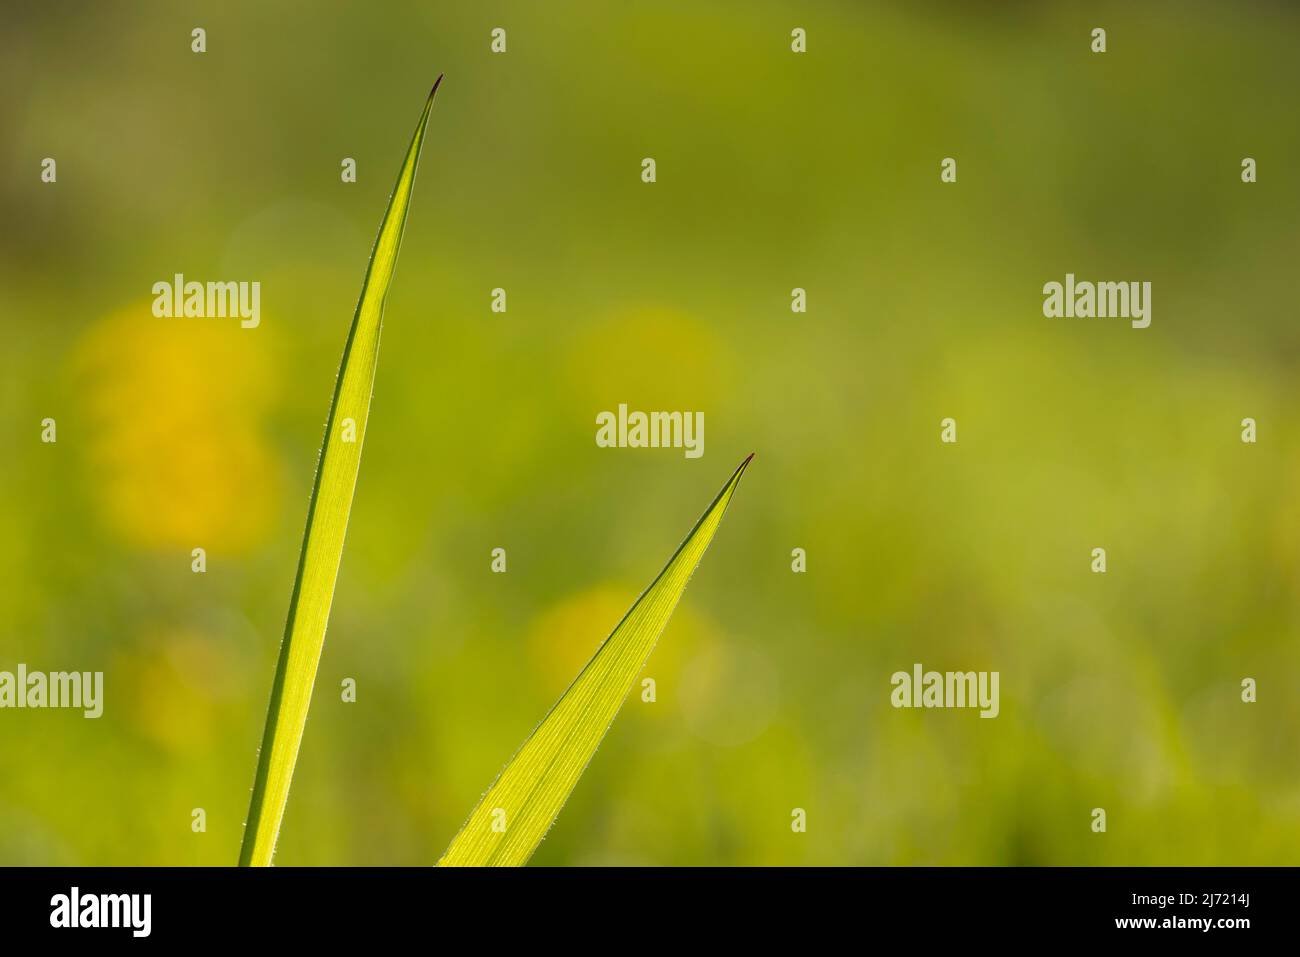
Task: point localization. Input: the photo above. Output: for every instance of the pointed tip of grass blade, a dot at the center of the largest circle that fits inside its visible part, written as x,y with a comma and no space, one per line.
735,476
428,108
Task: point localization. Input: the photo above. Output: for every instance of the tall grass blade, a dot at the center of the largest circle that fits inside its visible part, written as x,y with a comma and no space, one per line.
517,811
327,522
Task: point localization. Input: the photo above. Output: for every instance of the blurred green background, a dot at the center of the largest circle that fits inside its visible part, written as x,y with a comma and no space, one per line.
775,170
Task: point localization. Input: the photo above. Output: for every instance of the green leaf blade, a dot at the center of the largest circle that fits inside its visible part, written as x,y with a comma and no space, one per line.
534,786
327,520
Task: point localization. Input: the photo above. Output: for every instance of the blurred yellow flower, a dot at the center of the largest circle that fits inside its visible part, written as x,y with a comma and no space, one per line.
173,430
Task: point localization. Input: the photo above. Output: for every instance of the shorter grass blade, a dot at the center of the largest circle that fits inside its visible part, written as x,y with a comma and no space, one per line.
520,807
